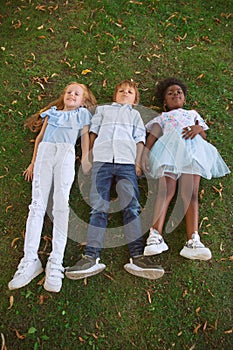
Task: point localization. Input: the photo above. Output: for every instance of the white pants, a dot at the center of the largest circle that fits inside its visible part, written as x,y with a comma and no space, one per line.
54,166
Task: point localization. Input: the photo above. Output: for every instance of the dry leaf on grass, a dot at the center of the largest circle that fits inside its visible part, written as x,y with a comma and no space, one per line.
11,302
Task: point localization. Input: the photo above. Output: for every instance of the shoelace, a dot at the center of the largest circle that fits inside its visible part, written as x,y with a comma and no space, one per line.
194,243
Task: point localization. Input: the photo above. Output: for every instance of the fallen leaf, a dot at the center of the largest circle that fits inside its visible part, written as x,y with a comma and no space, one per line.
205,325
221,248
202,193
198,310
196,328
9,206
219,191
229,331
148,295
3,347
85,71
41,282
18,335
11,302
200,76
14,240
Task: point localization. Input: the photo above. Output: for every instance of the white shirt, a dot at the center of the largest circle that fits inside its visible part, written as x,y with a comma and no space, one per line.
119,129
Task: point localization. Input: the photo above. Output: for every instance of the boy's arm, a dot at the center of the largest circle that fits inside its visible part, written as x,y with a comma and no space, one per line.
140,147
93,136
153,136
28,173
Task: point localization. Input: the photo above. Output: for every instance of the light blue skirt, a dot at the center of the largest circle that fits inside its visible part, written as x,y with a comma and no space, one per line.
172,156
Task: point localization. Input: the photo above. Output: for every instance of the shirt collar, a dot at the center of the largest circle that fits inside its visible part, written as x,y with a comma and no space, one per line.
119,104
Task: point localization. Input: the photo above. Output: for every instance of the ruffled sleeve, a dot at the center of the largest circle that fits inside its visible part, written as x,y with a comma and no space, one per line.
157,120
200,120
84,117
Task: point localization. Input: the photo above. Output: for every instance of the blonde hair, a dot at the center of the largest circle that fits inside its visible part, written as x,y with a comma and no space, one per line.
34,122
131,84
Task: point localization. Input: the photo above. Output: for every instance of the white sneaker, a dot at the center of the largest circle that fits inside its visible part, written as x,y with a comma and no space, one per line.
155,243
26,271
194,249
53,277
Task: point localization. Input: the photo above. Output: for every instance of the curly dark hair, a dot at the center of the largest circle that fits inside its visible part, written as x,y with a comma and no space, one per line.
164,84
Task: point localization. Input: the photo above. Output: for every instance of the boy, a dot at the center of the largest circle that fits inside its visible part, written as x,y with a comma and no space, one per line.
117,136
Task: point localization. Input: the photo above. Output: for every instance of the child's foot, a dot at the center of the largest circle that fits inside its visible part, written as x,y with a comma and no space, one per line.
26,271
142,266
155,243
53,277
194,249
87,266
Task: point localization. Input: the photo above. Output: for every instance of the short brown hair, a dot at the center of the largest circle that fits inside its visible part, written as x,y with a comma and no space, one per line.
130,83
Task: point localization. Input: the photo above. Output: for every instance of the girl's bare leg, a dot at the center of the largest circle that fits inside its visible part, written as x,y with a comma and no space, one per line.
166,191
190,201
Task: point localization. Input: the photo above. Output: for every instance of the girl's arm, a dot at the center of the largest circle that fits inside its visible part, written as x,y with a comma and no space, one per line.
153,136
138,165
85,142
191,131
93,136
28,173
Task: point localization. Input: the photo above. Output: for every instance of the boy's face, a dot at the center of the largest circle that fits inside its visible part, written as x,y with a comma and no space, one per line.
126,95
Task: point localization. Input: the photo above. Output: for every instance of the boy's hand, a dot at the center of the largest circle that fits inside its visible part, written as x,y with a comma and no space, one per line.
86,166
138,170
28,173
145,163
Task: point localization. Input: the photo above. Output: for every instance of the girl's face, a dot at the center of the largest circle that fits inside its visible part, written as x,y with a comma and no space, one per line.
174,97
126,95
73,97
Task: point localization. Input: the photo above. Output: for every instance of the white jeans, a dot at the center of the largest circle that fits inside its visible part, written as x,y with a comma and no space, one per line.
54,166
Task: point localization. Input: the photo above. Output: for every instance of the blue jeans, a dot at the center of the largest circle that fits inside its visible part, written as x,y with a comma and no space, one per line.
126,180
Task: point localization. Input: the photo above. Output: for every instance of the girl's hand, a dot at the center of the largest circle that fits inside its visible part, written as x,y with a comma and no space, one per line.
28,173
145,162
86,166
138,170
191,131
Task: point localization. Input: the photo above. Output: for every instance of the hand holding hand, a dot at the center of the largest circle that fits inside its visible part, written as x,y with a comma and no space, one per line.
145,162
86,166
138,170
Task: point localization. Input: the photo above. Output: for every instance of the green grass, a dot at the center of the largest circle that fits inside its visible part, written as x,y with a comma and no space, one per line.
45,45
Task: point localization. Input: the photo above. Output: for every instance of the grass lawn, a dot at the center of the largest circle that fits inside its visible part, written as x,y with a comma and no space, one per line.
44,46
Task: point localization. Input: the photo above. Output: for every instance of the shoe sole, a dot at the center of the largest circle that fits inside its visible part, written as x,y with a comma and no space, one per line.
77,275
37,273
51,288
195,257
151,274
149,251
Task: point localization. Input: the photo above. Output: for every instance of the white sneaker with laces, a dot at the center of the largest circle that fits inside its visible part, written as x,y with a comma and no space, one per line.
26,271
53,277
155,243
194,249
